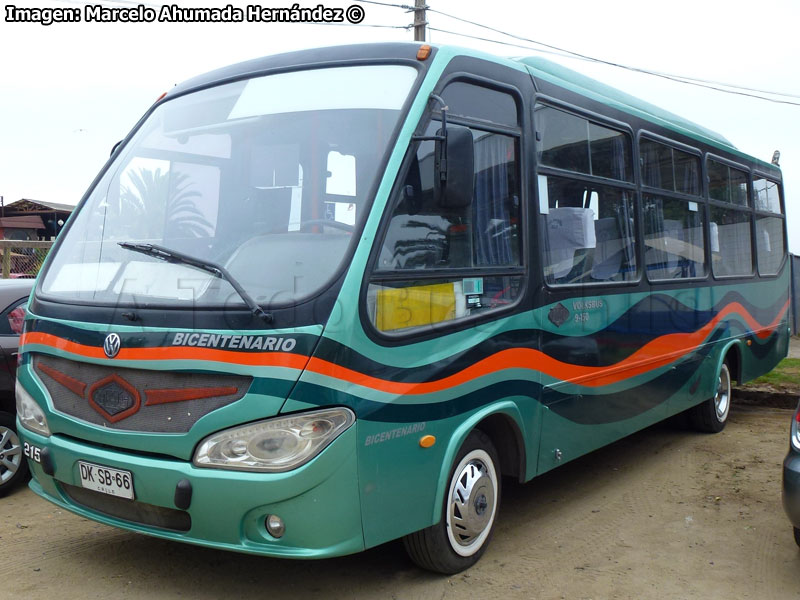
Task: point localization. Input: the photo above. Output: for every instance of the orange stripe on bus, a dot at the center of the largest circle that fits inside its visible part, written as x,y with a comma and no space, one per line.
656,353
268,359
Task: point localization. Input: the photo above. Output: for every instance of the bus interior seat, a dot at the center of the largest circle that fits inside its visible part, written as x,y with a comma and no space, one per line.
569,229
664,261
714,235
608,254
268,209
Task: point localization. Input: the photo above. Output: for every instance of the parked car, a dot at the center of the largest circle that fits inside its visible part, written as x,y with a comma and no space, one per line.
13,300
791,477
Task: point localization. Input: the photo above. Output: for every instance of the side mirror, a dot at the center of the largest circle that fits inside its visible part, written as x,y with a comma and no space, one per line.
454,176
114,148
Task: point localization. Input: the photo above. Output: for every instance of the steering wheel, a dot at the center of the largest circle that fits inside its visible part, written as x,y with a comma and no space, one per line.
327,223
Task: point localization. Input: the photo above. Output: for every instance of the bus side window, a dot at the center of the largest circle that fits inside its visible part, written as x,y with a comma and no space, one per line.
673,238
731,212
589,232
459,242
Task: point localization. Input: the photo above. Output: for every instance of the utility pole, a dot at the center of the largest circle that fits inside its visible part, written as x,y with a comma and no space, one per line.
419,20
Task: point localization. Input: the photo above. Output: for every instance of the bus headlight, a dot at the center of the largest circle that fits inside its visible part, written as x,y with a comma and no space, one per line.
30,414
274,445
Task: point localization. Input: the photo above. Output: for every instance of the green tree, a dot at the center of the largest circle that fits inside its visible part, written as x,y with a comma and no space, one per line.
162,205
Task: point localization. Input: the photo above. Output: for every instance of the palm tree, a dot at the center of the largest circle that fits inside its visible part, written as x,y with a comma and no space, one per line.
162,205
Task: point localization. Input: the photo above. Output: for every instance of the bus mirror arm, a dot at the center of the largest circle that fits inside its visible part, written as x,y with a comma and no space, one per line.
454,162
440,161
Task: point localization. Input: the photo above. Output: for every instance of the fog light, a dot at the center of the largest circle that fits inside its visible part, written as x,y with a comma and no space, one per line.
275,526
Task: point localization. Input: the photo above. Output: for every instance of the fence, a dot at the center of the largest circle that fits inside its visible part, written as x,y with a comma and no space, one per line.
21,258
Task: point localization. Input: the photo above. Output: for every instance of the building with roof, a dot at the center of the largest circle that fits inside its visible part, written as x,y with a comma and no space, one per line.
27,219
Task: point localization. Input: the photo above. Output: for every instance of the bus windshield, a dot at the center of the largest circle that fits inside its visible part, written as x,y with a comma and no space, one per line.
267,176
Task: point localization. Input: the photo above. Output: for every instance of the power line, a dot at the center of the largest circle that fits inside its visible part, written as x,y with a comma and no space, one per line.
731,85
713,85
406,27
404,6
675,78
555,50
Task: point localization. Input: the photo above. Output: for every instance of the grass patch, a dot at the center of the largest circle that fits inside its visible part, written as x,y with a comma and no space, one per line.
785,377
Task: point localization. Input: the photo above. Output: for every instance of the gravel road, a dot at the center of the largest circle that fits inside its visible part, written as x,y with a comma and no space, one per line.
666,513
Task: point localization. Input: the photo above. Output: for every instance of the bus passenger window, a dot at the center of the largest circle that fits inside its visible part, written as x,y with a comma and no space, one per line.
769,244
770,247
668,168
673,238
573,143
589,232
727,184
767,196
733,243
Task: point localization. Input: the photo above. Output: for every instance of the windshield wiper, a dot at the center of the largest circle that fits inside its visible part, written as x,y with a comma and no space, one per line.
216,270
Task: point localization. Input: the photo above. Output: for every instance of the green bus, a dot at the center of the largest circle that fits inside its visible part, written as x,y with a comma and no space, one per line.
326,299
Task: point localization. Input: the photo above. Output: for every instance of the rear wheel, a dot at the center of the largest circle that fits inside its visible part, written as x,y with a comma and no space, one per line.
470,509
13,466
712,415
796,536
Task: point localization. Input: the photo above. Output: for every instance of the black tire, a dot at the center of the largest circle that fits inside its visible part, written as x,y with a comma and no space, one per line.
456,543
13,465
796,536
712,415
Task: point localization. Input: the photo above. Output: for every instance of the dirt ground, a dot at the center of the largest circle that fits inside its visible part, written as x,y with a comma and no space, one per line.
666,513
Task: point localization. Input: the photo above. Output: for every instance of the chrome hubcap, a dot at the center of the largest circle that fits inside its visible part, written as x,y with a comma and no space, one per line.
722,399
472,503
10,454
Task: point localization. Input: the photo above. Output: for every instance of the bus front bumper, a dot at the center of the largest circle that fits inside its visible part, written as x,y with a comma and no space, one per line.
318,502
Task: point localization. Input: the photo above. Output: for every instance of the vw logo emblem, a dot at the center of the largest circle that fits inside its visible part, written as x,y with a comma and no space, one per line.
111,345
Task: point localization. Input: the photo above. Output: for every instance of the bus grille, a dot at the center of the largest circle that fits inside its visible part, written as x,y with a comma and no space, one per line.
129,510
135,400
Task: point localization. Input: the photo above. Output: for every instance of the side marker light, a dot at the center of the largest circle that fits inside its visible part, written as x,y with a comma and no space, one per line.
427,441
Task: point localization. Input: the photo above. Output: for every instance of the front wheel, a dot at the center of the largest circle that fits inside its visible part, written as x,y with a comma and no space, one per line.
712,415
469,513
13,466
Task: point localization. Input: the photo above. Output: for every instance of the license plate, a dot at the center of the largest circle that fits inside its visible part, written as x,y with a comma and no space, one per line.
106,480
